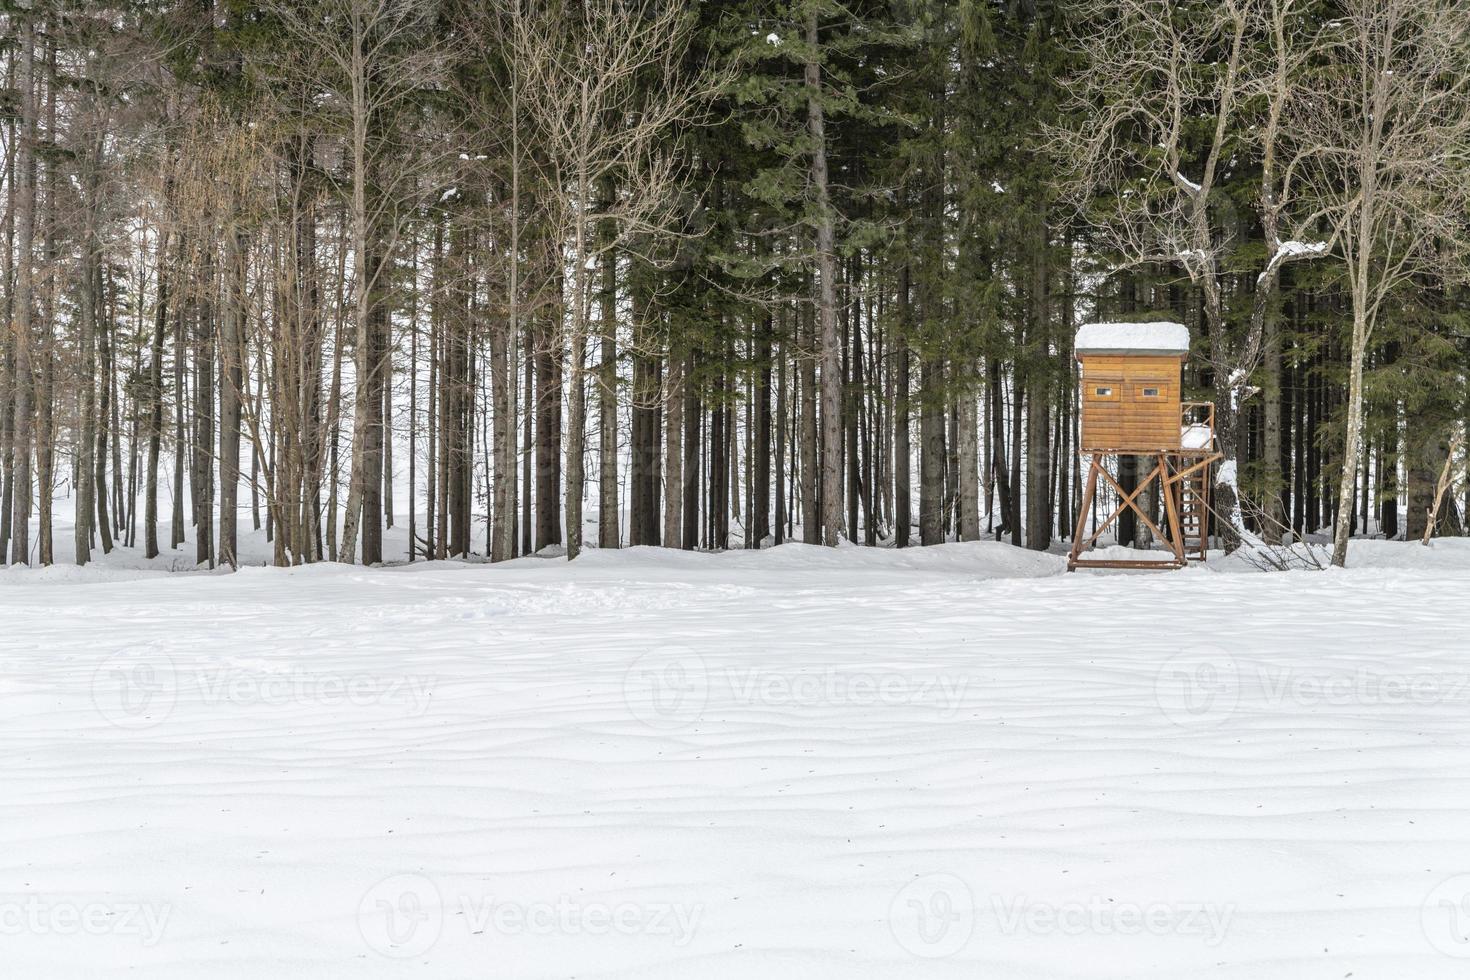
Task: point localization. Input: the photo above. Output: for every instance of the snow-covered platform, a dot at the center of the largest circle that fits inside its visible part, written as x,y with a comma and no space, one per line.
796,763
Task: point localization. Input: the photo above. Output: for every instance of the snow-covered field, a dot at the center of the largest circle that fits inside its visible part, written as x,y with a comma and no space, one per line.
947,762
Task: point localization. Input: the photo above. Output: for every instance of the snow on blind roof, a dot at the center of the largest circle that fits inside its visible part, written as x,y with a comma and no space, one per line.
1132,338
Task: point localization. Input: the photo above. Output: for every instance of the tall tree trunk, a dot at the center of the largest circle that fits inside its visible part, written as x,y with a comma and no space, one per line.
503,373
8,339
362,510
503,433
548,431
643,466
1388,465
673,398
106,426
969,465
717,512
607,397
829,342
385,340
202,474
231,396
576,444
931,452
852,409
374,369
181,313
781,440
690,480
21,321
155,401
89,301
902,452
1038,400
1352,439
45,398
1271,427
413,405
996,461
811,526
760,463
528,435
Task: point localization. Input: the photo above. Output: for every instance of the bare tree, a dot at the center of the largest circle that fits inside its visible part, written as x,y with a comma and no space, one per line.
372,59
493,121
1386,120
223,191
95,112
604,84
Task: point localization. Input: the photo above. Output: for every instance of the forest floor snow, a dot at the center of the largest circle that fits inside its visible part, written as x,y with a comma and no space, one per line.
945,762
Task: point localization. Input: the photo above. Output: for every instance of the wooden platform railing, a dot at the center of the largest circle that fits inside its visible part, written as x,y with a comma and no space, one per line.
1199,413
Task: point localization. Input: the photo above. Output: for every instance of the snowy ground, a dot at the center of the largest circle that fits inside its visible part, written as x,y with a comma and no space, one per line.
947,762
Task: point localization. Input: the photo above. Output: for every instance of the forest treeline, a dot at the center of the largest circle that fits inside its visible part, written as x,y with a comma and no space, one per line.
712,275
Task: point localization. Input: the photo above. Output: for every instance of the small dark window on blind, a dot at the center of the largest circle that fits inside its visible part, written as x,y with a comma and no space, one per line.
1102,391
1150,392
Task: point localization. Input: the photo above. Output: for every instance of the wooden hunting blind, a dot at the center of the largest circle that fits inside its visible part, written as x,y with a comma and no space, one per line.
1132,376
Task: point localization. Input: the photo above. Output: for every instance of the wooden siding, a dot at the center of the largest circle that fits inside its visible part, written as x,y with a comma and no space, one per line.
1130,402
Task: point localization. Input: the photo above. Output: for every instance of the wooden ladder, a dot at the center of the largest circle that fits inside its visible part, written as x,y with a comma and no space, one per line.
1194,513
